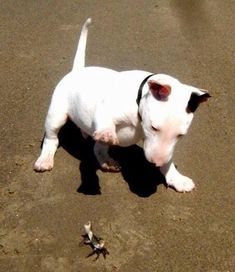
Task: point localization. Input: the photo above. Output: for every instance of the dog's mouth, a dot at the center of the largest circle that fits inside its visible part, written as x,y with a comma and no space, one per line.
158,154
159,162
156,159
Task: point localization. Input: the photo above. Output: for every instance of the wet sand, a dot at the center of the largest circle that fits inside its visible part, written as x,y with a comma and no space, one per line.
147,227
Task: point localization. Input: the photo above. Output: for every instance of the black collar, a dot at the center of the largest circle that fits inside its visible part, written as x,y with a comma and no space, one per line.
139,96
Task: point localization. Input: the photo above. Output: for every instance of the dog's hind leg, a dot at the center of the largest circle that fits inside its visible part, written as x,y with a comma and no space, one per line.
56,118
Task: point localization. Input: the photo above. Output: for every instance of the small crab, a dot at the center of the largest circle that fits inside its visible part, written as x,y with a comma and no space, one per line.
96,243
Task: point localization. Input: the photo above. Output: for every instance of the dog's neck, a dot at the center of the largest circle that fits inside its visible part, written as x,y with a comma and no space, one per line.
140,91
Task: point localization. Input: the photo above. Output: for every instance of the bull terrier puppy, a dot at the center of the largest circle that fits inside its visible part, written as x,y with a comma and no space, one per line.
122,108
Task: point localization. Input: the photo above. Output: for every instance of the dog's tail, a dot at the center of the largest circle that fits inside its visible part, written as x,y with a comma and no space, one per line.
79,60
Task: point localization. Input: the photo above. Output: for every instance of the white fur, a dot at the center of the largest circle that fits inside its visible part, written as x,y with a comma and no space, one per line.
102,103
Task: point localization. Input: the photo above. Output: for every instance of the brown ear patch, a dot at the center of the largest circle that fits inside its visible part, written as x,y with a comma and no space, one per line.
159,91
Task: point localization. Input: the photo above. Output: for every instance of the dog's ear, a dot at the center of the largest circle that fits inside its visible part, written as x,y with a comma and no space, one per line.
195,100
159,91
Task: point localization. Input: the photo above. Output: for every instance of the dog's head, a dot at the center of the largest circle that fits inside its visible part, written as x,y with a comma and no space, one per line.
167,110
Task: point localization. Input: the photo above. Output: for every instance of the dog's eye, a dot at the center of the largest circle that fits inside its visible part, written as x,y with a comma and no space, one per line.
180,136
154,128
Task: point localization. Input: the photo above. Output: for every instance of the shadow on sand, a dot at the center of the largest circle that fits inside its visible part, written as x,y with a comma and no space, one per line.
141,176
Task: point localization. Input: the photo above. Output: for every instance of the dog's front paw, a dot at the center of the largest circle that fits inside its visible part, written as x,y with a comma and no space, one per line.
180,183
107,136
110,166
43,164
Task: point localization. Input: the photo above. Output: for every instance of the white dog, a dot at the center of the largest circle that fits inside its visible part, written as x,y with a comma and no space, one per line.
122,108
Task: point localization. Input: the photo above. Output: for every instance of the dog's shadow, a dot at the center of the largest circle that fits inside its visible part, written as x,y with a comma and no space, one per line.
141,176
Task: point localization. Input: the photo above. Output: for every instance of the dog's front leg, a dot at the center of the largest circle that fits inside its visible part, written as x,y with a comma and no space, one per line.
176,180
106,163
104,125
106,134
